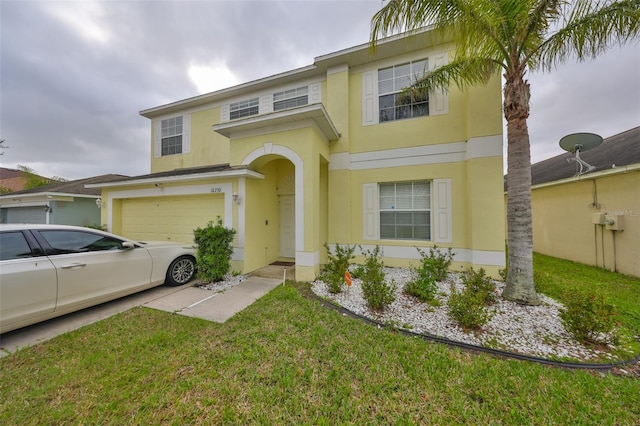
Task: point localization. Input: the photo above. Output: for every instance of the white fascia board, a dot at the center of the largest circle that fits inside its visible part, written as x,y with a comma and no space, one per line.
41,196
184,178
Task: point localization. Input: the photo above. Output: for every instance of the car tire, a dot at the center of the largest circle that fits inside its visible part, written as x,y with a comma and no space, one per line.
181,271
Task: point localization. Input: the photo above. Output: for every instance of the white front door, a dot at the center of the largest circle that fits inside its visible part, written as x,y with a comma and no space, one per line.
287,226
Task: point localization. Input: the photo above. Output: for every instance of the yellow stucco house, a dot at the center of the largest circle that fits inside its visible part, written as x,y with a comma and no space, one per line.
328,153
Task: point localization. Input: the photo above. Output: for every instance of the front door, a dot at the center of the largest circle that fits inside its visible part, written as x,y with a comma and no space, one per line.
287,226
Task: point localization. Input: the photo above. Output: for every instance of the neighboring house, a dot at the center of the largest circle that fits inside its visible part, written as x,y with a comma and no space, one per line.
11,180
593,218
331,153
60,203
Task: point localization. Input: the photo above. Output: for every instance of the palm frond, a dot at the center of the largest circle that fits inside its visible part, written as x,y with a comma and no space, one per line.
591,29
462,72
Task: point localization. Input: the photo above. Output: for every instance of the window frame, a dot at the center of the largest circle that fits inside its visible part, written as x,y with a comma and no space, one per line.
386,205
244,108
290,98
171,133
401,107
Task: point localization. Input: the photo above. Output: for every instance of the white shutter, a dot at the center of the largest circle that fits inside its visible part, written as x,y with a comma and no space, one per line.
315,94
157,138
186,133
370,228
224,113
439,99
369,98
442,206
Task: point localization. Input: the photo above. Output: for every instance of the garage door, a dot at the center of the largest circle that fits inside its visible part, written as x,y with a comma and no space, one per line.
26,215
169,218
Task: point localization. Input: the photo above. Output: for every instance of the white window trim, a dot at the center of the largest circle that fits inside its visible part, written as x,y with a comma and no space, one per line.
441,212
438,100
186,136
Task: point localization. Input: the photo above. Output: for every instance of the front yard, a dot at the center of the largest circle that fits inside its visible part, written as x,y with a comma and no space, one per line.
289,360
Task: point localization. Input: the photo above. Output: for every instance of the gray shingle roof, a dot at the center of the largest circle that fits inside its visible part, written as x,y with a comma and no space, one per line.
72,187
619,150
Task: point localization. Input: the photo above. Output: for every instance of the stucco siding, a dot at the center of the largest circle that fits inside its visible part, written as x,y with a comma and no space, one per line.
563,221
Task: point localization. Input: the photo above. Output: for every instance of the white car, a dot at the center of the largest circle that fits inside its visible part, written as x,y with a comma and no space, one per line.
51,270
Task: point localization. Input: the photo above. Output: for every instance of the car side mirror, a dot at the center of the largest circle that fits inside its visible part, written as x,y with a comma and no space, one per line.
128,245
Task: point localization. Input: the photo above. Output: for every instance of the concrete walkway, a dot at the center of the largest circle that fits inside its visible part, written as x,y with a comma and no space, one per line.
215,306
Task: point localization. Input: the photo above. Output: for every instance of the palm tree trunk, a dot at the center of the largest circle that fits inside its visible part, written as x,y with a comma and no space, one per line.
519,287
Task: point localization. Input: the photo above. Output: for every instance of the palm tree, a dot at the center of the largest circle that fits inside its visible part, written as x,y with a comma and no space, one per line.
514,37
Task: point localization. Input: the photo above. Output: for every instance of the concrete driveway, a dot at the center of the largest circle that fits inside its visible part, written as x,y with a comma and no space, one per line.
184,300
34,334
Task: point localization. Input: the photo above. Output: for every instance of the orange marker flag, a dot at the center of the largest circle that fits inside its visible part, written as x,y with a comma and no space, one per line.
347,278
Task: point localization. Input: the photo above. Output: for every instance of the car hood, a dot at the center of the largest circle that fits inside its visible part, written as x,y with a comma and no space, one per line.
156,244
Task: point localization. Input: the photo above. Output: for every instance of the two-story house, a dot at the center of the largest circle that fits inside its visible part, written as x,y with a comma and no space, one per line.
333,152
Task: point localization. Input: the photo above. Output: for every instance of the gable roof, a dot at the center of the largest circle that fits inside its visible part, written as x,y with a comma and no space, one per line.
73,187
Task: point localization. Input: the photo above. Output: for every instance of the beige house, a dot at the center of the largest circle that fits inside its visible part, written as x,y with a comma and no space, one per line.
593,218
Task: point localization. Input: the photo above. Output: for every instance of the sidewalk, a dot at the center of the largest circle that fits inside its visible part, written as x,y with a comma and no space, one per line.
215,306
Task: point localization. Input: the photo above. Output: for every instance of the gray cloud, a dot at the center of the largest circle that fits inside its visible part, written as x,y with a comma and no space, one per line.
74,75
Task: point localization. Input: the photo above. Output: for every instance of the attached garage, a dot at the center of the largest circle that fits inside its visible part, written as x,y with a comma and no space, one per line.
169,218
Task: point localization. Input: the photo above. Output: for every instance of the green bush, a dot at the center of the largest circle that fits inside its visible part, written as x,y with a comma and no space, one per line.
333,271
376,291
588,317
423,286
480,284
215,247
468,308
437,261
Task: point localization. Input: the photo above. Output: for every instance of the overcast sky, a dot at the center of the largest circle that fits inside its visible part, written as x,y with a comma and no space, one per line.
74,75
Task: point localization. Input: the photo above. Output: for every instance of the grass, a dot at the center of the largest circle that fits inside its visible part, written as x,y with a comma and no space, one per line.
288,360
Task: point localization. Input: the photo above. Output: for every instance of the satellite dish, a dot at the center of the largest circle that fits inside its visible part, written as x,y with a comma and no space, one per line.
577,142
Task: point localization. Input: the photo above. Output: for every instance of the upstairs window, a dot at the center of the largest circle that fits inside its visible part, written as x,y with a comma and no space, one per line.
405,210
393,104
171,136
243,109
290,98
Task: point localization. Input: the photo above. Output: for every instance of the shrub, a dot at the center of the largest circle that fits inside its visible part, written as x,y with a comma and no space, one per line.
376,291
215,247
480,284
333,271
437,261
468,308
588,317
423,286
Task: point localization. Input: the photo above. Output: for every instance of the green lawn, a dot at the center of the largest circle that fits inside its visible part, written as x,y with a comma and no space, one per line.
288,360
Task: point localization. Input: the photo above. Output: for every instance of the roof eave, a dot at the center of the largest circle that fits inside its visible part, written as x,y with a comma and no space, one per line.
180,178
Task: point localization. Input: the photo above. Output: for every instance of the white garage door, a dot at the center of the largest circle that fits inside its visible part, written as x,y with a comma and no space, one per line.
169,218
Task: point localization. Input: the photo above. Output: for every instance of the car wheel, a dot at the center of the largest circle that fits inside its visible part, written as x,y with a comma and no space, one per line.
181,271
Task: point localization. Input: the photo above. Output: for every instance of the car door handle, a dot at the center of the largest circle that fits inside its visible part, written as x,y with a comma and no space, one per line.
74,265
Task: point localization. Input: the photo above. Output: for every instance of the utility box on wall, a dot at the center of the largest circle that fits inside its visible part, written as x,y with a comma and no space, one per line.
597,218
614,223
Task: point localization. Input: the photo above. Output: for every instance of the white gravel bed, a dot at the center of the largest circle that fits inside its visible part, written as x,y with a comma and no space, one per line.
528,330
227,282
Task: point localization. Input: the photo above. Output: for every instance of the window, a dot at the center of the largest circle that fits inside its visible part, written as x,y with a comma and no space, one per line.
13,245
290,98
393,105
171,136
405,210
63,242
243,109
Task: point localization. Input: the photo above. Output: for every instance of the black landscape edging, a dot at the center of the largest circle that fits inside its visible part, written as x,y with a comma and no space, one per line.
474,348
